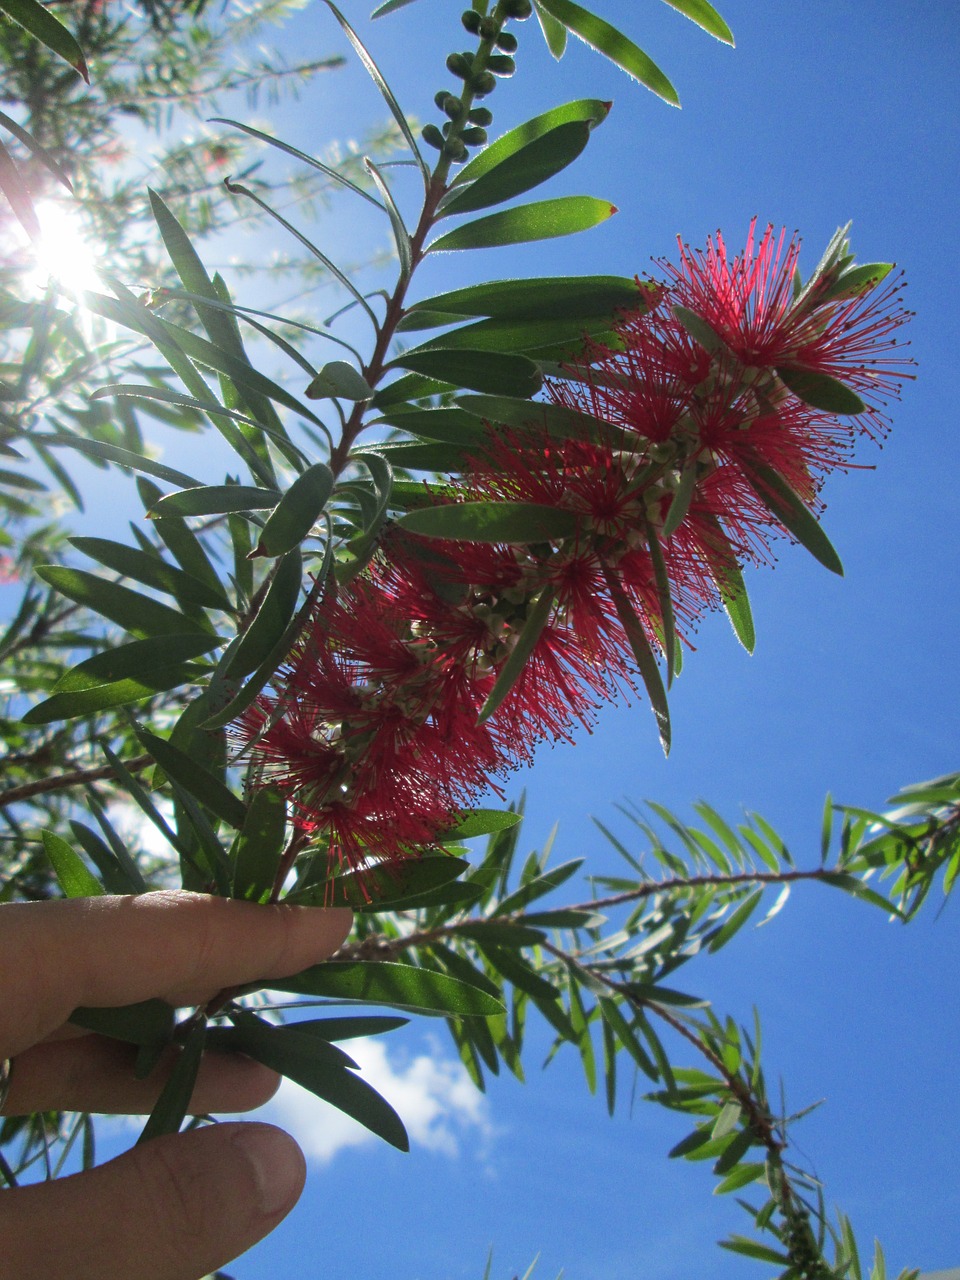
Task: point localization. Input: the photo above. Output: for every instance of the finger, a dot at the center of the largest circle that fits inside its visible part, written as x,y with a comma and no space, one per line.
175,1208
108,951
91,1073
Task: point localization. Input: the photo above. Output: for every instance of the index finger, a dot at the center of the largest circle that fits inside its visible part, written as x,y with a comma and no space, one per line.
109,951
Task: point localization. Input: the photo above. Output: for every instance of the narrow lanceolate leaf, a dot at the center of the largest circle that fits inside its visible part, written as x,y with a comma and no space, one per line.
541,419
272,618
142,660
152,572
140,615
386,888
113,693
214,499
792,513
646,662
590,111
40,22
114,453
528,167
15,189
195,779
316,1064
681,499
699,329
257,849
149,1022
75,879
296,513
728,576
525,644
613,44
857,280
386,93
705,16
491,522
480,822
543,220
383,982
554,32
167,1116
540,298
820,390
664,598
490,371
401,236
35,149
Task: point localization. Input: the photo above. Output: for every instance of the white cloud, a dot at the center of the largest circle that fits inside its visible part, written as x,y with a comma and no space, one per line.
432,1094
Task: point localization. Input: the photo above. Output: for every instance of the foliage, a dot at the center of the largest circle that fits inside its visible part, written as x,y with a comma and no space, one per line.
183,677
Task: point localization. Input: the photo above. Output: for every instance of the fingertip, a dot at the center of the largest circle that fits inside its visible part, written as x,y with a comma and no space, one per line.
276,1164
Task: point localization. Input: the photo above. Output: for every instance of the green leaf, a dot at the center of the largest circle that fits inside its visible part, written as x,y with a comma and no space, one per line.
139,660
449,426
526,642
539,419
664,599
401,236
554,32
820,390
167,1116
646,662
340,379
215,499
540,298
735,922
699,329
35,149
530,165
271,621
375,75
104,452
753,1249
481,822
742,1176
71,871
540,885
316,1064
258,847
384,982
791,512
381,888
149,1022
515,522
857,280
296,513
195,779
111,693
542,220
152,572
589,111
40,22
705,16
15,189
137,613
512,966
493,371
613,44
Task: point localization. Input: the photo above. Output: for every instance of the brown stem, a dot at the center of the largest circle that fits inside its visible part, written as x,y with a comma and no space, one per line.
61,781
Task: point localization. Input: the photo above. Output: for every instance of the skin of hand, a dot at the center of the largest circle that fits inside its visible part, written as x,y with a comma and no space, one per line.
182,1205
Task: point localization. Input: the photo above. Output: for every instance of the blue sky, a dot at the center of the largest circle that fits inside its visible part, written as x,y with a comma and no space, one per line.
826,111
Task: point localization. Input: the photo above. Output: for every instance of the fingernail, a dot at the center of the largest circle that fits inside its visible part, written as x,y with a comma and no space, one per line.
277,1163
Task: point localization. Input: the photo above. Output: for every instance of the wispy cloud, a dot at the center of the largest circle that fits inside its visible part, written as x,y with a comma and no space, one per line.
431,1092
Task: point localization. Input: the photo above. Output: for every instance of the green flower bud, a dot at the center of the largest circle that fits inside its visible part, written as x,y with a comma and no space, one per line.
471,20
452,107
432,136
474,137
455,149
459,64
501,64
481,116
507,42
483,84
519,9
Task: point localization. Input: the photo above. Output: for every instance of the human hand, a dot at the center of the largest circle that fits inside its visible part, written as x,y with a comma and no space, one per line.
182,1205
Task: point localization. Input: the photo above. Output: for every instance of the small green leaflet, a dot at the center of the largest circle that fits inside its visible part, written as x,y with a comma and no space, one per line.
214,499
384,982
792,513
167,1116
491,371
296,513
705,16
590,111
529,166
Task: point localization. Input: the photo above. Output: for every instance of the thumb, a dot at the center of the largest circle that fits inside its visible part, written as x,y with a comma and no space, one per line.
175,1208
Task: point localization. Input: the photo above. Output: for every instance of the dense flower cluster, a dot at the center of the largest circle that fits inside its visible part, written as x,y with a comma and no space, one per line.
446,661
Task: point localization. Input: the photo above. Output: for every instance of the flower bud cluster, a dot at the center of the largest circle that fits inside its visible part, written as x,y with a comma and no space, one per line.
378,728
